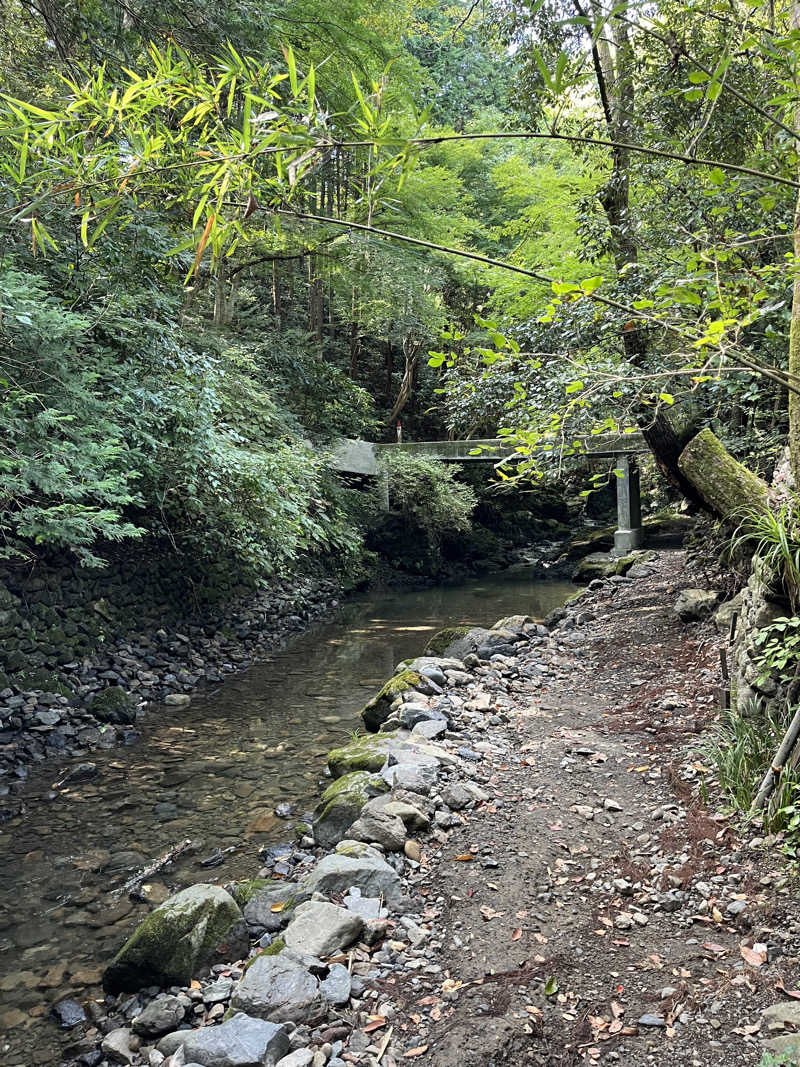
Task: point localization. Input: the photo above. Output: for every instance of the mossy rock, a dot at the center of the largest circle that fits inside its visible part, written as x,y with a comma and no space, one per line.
199,926
243,891
341,805
366,753
113,705
377,711
441,641
602,565
42,680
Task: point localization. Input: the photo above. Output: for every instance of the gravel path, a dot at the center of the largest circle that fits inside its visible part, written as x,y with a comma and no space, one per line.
593,910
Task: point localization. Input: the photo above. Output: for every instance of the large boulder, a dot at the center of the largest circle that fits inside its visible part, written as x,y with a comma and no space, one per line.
279,989
197,927
377,711
341,804
367,753
456,642
364,869
601,565
695,604
239,1042
320,929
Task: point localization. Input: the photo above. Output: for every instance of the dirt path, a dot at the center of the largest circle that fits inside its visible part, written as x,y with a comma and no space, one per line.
593,910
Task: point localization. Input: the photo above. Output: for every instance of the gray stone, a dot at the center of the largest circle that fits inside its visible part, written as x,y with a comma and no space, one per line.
410,714
159,1017
178,700
417,777
121,1046
336,987
430,728
380,826
239,1042
258,910
198,926
652,1021
301,1057
279,989
320,928
456,797
782,1016
218,991
336,874
68,1013
723,616
695,604
411,815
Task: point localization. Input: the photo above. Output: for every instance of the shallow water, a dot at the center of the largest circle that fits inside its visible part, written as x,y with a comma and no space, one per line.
212,772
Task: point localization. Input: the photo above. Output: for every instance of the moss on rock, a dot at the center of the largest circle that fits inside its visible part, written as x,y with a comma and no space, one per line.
198,926
244,891
378,709
341,805
440,642
366,753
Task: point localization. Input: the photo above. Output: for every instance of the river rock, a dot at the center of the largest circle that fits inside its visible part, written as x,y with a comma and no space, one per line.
279,989
379,826
319,928
456,797
341,805
68,1013
121,1046
301,1057
456,642
336,987
367,753
336,874
258,911
378,710
159,1017
695,604
410,714
199,926
430,728
413,818
240,1042
417,776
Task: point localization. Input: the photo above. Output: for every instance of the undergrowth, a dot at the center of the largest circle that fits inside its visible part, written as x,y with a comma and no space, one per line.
740,749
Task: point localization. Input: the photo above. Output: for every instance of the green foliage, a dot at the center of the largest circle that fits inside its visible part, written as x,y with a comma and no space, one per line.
428,496
779,649
772,539
741,748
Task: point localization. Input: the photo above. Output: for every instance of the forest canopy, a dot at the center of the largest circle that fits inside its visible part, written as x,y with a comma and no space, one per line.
230,236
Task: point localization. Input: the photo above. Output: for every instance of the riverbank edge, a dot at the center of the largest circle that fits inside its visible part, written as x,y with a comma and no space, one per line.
486,672
96,702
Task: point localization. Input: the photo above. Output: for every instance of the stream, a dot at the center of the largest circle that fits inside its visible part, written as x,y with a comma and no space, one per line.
212,772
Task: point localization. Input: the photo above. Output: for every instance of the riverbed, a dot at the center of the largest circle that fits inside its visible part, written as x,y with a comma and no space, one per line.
212,773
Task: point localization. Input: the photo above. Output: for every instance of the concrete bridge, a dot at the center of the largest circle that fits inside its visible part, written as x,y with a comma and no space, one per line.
363,458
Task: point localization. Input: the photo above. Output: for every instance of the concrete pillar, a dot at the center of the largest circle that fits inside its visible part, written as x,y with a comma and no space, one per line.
629,533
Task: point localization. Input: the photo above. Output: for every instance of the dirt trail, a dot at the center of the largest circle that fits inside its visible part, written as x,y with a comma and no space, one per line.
602,915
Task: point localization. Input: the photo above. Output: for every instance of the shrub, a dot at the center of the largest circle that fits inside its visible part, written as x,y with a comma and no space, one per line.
428,497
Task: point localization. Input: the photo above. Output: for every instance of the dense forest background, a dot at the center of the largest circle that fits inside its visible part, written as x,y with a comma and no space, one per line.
195,299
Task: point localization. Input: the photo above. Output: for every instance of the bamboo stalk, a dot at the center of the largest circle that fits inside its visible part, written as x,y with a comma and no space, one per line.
770,779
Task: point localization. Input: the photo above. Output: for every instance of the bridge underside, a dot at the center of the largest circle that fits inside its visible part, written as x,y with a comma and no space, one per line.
363,458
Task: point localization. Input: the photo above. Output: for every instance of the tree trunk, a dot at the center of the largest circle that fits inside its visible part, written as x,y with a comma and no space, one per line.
411,350
728,488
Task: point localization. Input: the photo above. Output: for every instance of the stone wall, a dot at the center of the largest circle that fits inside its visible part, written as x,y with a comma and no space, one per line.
82,651
757,606
59,611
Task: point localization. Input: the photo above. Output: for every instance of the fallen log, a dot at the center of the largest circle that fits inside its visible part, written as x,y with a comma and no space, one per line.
727,488
133,884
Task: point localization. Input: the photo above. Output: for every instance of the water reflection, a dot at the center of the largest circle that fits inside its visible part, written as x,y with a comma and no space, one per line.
212,772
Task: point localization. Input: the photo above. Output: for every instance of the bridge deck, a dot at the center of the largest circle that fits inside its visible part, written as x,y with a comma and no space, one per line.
492,450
